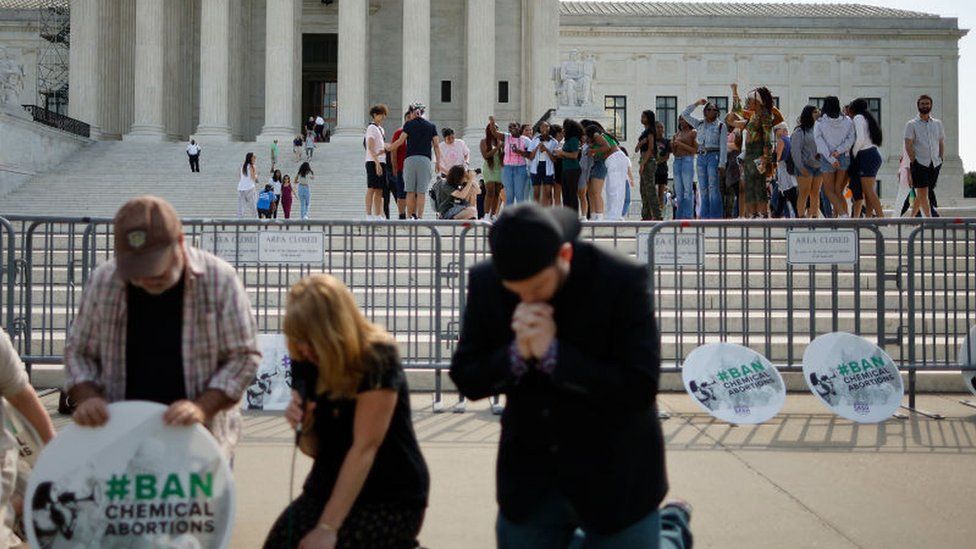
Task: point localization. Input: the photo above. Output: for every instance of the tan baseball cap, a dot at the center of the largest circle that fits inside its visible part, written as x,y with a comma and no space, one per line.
146,229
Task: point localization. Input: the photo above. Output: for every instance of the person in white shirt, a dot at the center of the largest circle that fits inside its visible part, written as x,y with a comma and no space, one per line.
454,152
834,134
542,166
309,146
925,144
16,389
320,128
193,152
275,183
375,162
867,158
247,198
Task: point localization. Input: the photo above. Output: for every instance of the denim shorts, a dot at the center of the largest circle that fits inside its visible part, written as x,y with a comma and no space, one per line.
599,169
827,167
869,162
807,171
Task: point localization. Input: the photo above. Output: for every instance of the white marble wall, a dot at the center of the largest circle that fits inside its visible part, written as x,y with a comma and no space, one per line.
28,148
642,65
18,34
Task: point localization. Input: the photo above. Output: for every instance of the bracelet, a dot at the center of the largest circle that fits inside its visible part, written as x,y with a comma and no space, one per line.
326,527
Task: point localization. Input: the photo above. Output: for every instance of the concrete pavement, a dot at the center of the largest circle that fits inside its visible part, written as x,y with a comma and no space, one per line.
806,479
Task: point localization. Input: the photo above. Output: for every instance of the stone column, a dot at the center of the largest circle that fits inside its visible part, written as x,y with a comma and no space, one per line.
84,78
416,53
215,70
352,70
540,45
951,176
149,122
109,35
279,77
479,62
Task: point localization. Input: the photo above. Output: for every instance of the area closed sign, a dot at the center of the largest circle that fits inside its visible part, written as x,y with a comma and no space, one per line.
299,247
822,247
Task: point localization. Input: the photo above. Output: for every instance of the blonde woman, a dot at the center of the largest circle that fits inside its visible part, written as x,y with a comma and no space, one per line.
368,485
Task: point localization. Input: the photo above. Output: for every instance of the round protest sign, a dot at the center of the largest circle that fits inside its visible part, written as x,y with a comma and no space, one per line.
853,377
967,359
134,482
733,383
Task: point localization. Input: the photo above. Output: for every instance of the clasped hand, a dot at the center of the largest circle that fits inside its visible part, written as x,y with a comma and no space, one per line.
535,329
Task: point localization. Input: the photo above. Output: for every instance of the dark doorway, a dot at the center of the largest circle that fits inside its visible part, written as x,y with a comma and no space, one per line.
319,72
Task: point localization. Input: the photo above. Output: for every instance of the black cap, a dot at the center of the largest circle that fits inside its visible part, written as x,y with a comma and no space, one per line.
526,238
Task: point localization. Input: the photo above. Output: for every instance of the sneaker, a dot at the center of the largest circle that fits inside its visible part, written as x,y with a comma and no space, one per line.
680,504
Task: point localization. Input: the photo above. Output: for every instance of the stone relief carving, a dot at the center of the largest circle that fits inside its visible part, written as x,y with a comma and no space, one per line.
574,80
11,77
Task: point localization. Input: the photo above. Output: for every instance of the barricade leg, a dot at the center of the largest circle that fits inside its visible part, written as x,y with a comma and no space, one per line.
911,399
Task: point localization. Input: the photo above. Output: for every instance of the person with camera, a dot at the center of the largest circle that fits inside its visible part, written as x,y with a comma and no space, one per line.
369,483
457,196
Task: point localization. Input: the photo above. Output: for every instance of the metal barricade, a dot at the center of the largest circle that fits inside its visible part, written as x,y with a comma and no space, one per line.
911,288
50,286
393,270
941,295
8,275
732,281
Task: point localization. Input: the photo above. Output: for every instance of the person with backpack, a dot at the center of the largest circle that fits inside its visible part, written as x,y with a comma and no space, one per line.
265,202
375,162
712,153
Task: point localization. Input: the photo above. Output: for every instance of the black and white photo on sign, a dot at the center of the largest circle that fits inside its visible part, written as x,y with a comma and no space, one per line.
271,388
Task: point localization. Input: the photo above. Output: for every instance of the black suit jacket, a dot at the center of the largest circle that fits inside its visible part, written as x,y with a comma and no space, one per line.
590,430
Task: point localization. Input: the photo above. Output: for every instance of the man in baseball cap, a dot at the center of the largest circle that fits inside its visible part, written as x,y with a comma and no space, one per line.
163,322
565,330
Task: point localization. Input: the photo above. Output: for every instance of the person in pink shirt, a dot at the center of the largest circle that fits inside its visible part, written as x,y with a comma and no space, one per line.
454,152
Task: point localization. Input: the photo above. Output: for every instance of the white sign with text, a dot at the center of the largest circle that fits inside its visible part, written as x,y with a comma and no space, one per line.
822,247
300,247
672,249
231,246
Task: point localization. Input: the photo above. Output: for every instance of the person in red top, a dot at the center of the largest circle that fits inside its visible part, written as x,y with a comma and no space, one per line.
399,154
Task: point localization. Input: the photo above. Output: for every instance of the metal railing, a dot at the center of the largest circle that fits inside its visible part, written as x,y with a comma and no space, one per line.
58,120
911,288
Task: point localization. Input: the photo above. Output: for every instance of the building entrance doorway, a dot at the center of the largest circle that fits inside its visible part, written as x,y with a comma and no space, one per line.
319,73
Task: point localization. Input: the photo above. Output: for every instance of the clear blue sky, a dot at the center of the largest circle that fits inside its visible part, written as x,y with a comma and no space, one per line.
967,54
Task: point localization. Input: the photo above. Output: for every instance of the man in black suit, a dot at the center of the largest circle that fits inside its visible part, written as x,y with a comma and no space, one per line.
565,330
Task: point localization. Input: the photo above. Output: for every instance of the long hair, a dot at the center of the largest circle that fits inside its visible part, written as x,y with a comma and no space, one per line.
806,121
492,140
247,162
651,124
572,128
831,106
860,107
767,98
587,123
305,169
323,314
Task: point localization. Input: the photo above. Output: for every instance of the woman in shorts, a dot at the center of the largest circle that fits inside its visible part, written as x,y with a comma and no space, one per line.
834,134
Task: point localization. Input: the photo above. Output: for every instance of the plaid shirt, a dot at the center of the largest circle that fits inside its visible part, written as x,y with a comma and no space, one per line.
220,349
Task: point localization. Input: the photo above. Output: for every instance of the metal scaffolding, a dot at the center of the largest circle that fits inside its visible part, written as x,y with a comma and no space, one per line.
54,24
